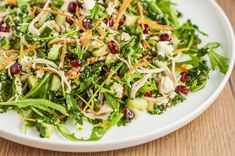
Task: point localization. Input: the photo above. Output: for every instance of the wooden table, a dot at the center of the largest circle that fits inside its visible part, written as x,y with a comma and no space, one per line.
212,134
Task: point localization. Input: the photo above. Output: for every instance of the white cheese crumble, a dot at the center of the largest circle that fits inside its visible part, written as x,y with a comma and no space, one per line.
25,61
166,85
165,49
111,8
89,4
118,89
125,36
39,74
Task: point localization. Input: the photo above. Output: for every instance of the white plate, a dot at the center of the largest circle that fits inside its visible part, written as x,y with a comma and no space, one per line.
211,19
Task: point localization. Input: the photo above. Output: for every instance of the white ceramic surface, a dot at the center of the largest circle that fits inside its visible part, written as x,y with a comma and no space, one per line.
211,19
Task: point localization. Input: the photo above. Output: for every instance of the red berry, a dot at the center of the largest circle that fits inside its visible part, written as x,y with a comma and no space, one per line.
182,89
15,68
146,29
4,28
148,94
104,70
40,5
69,21
87,23
75,63
122,21
165,37
184,76
110,22
113,47
73,6
128,113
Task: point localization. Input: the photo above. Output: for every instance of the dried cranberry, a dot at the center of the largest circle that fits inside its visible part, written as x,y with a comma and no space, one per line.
146,29
182,89
110,22
75,63
4,28
122,21
69,21
40,5
148,94
87,23
113,47
104,70
184,76
128,113
15,68
165,37
73,6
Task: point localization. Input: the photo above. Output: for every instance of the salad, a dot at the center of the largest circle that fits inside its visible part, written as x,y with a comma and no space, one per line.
100,62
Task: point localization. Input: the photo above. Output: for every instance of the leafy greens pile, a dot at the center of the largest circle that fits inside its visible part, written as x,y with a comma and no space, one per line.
99,62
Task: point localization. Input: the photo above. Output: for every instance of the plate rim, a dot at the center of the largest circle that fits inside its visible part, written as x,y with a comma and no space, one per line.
133,141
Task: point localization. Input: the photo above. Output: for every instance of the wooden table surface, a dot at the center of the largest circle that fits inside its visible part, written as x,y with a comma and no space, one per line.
211,134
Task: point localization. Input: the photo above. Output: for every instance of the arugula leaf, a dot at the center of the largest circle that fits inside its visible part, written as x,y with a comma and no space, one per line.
67,133
42,104
98,132
166,7
218,60
155,13
95,12
71,102
34,91
194,61
112,101
45,130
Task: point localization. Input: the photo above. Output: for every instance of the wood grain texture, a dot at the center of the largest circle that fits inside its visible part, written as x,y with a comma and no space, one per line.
212,134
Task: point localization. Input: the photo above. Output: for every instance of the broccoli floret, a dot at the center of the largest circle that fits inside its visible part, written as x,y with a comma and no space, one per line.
45,130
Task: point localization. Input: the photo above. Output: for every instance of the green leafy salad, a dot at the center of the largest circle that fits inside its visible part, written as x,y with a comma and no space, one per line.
99,62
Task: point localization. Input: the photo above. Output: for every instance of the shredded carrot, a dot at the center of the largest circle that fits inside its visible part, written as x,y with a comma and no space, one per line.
180,50
44,69
68,41
139,4
146,45
69,17
7,61
31,48
101,31
78,13
100,20
78,16
12,2
33,11
11,51
91,60
141,64
155,25
146,57
121,11
86,38
73,73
